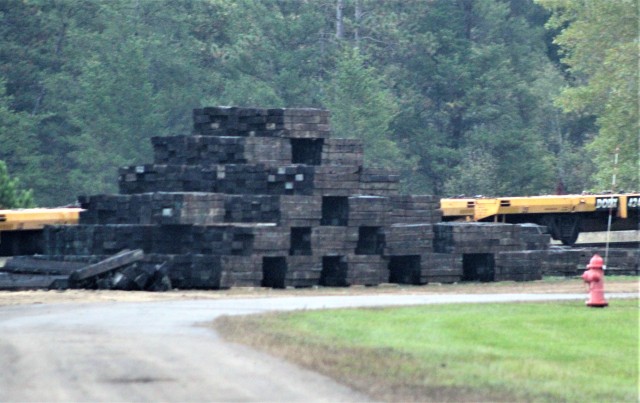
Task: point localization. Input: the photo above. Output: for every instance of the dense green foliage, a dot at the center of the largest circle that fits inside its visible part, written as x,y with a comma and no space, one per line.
456,95
556,351
11,195
601,46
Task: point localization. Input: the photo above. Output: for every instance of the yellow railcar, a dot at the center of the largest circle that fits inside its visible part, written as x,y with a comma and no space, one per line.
565,215
21,229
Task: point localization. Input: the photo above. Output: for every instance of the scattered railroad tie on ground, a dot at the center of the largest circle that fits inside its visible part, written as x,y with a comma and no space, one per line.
22,282
28,273
122,271
94,272
33,266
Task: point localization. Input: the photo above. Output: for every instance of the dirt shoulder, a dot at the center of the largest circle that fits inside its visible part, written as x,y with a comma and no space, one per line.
546,286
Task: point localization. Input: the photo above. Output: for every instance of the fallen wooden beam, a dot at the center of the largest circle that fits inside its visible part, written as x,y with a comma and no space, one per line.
41,266
114,262
19,282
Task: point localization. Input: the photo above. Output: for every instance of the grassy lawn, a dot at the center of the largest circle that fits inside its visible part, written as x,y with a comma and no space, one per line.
560,351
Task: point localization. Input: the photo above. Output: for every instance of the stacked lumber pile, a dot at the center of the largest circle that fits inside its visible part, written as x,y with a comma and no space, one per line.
259,122
479,237
336,180
154,208
210,150
251,208
300,211
518,266
564,262
493,251
411,209
567,262
342,152
264,197
378,182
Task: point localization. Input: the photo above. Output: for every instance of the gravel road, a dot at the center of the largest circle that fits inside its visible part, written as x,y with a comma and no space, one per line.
162,351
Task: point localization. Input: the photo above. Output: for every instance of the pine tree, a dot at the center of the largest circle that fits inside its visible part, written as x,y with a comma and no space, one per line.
17,138
599,43
11,193
363,108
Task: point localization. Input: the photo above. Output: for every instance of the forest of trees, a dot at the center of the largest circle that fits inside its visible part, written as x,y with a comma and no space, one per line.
493,97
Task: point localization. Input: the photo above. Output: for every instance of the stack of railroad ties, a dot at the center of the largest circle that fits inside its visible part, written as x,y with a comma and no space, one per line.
265,197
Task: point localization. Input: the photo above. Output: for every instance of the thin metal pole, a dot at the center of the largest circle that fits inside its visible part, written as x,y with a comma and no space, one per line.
613,189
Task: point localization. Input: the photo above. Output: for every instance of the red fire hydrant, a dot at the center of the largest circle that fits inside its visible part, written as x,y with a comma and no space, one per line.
594,277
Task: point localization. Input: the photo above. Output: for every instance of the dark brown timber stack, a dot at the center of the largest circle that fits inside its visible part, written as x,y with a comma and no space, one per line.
265,197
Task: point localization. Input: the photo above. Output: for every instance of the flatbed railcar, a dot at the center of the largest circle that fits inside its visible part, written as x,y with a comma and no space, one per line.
566,216
21,229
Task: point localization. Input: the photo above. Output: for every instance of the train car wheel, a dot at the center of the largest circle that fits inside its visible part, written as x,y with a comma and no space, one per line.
569,229
562,227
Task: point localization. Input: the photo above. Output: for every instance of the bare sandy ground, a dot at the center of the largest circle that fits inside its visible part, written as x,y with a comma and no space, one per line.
547,286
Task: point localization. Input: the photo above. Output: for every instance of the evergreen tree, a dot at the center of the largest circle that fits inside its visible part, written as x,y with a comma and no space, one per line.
599,43
468,74
363,108
39,64
85,64
17,138
118,113
277,55
11,193
454,93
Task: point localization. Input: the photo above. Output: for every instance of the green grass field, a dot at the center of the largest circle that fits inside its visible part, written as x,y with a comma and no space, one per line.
560,351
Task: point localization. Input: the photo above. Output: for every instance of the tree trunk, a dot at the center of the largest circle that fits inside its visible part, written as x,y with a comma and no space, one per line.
467,8
339,20
58,50
358,18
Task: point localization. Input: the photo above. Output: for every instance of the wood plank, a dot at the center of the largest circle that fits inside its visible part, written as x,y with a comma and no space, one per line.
18,282
41,266
116,261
